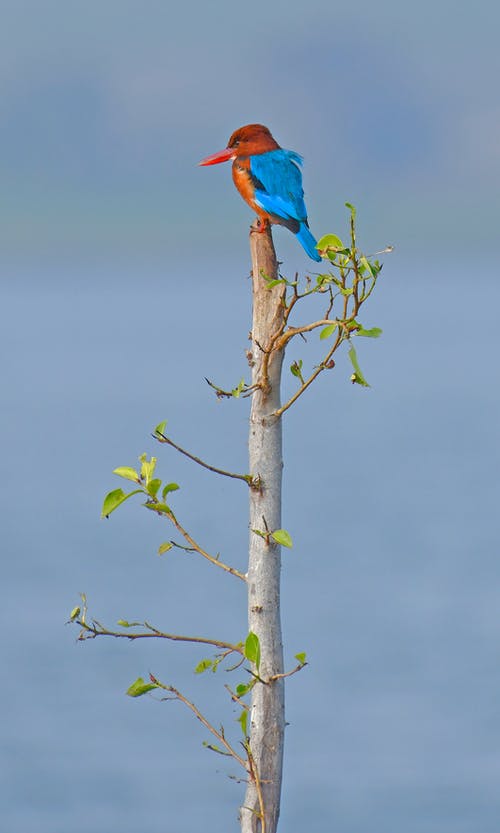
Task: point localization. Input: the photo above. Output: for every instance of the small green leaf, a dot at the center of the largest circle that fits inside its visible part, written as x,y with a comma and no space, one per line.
302,658
323,281
160,428
202,666
252,649
74,613
128,473
242,689
114,499
281,536
165,547
365,266
170,487
124,624
238,389
214,748
351,209
274,282
139,687
153,486
296,370
147,467
155,506
327,331
357,377
243,720
329,241
374,332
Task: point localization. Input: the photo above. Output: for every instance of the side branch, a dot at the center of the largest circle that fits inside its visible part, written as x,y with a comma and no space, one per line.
196,548
95,629
216,733
166,440
325,365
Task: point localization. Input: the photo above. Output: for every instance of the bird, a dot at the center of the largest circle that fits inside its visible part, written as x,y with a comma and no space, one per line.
269,179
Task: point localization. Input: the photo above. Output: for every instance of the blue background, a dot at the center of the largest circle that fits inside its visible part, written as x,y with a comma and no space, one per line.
124,281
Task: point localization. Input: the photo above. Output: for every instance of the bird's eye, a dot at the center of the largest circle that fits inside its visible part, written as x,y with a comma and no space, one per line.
236,143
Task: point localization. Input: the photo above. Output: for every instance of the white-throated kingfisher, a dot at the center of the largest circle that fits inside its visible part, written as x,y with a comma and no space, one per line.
270,180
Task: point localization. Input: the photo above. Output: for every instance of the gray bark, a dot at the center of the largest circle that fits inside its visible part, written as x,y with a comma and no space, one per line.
267,714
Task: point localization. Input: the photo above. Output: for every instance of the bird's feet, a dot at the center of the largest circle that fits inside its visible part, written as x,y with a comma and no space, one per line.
258,226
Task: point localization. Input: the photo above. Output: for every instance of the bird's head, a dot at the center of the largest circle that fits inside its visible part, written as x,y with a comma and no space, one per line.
246,141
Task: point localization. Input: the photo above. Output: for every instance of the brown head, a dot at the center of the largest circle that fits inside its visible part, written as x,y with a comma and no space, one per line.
246,141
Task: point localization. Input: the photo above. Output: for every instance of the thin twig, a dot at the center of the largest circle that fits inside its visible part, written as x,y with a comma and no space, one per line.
235,698
288,673
319,369
246,477
206,723
215,561
96,629
256,779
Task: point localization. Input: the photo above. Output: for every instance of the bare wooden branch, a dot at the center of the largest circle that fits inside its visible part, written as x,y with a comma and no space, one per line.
197,548
95,629
201,717
167,441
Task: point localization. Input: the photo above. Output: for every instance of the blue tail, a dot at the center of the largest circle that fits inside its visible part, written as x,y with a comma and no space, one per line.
308,242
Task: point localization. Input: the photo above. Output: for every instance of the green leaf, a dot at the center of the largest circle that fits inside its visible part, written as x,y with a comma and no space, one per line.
374,332
202,666
252,649
281,536
139,688
357,377
214,748
170,487
242,689
160,428
351,209
128,473
301,657
165,547
329,241
272,282
296,370
365,266
323,281
327,331
147,467
153,486
238,389
114,499
124,624
74,613
243,720
155,506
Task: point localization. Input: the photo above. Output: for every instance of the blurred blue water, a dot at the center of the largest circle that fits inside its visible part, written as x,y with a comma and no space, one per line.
391,495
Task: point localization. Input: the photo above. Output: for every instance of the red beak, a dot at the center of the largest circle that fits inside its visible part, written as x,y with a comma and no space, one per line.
221,156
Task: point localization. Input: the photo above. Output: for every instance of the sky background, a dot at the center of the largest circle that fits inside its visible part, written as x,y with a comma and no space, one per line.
124,282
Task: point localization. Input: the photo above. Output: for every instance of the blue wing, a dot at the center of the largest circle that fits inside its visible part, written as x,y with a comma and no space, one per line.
278,184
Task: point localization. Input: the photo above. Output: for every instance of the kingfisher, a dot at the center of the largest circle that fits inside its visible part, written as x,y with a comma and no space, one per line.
269,179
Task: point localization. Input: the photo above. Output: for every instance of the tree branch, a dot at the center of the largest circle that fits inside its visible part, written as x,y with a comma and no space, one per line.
166,440
319,369
196,547
91,631
206,723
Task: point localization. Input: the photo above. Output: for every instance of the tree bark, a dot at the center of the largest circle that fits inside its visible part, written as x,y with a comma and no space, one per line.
267,710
